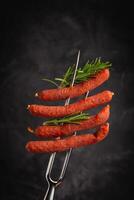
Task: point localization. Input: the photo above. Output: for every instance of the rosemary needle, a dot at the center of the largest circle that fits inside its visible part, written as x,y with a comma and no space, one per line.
71,119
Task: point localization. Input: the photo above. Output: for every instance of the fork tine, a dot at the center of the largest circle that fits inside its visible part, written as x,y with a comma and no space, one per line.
50,165
65,164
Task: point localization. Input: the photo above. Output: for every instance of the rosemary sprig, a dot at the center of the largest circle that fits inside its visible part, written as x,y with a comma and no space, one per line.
71,119
83,73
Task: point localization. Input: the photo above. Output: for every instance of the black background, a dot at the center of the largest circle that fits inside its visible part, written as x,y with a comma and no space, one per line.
41,40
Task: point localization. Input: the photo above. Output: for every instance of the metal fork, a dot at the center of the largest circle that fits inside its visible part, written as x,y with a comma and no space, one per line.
52,184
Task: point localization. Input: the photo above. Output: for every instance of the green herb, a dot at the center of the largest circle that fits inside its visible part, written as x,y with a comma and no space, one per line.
50,81
83,73
66,77
71,119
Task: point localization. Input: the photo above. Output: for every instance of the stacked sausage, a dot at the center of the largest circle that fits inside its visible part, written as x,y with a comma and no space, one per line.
66,130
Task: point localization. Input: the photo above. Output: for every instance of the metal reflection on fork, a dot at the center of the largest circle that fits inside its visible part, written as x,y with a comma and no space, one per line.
52,184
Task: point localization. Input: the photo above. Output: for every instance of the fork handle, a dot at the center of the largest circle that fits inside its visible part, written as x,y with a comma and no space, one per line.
50,192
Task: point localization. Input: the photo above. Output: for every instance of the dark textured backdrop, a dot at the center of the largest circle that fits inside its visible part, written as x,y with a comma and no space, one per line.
41,41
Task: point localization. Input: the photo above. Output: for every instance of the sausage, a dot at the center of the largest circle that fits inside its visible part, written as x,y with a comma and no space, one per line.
81,105
76,90
48,131
70,142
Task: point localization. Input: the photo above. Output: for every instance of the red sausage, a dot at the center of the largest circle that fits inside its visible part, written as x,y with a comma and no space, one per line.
67,129
76,90
70,142
60,111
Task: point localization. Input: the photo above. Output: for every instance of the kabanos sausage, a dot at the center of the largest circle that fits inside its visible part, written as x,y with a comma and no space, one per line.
76,90
81,105
48,131
70,142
